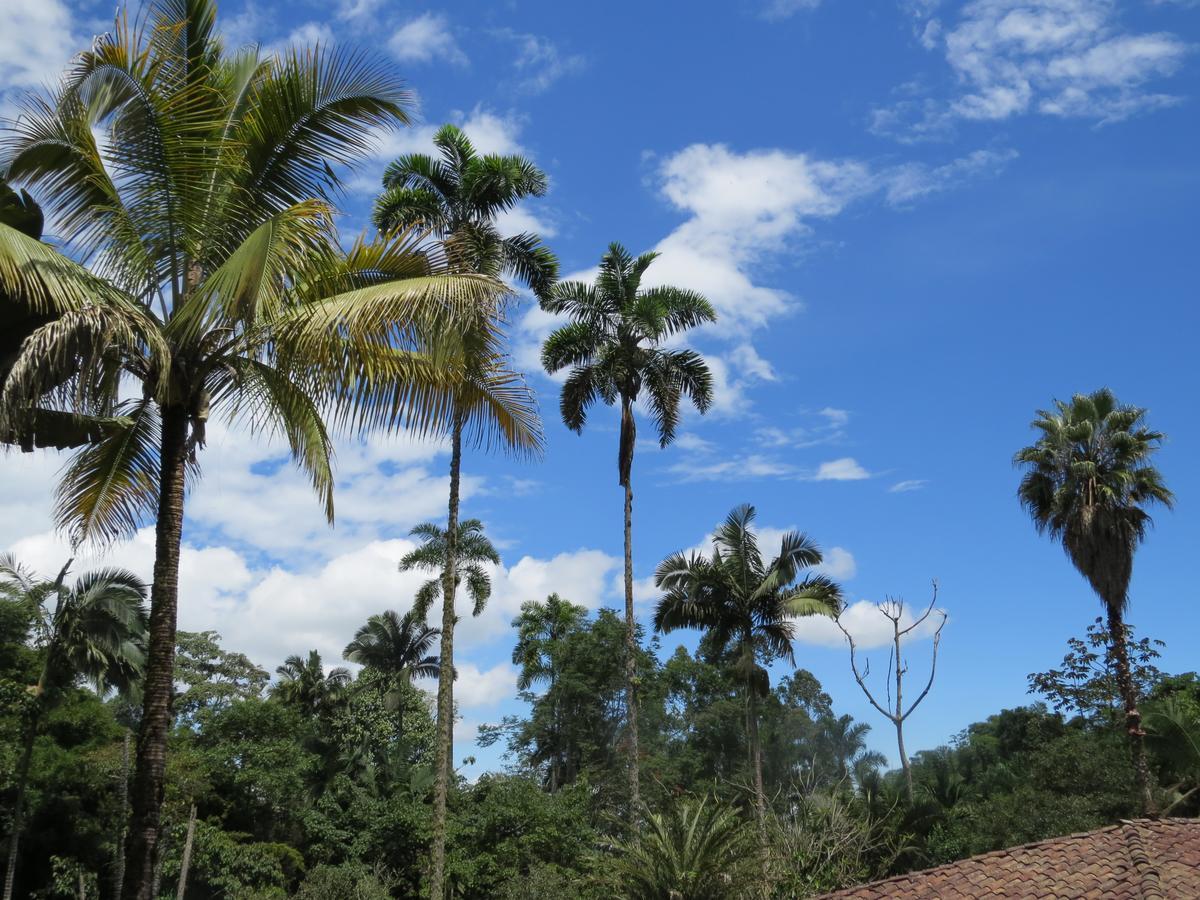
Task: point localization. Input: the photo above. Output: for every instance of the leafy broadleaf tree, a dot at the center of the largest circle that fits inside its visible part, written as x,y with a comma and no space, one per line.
1087,480
397,647
93,631
746,605
456,197
542,631
203,266
614,348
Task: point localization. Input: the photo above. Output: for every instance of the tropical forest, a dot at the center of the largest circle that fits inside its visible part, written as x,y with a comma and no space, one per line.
546,451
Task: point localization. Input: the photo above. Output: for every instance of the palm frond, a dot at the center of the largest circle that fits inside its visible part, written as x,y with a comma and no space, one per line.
110,488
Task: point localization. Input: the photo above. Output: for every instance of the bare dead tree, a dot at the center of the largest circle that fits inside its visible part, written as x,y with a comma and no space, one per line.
893,610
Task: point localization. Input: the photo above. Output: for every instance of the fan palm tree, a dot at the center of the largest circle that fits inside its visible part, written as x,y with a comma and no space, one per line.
210,276
303,683
1087,480
695,850
613,346
398,648
542,629
458,196
746,606
95,633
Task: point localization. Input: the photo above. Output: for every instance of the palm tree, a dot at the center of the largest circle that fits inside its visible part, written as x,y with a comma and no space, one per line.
398,648
456,555
541,630
613,346
303,683
1086,481
695,850
746,605
843,742
212,278
95,633
457,198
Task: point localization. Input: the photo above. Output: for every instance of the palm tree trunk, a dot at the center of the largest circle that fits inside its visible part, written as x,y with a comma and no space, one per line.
122,820
1119,642
625,463
760,794
158,681
35,717
18,818
186,862
444,759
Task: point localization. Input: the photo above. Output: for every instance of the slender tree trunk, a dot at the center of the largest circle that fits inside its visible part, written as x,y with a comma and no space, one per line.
158,681
122,820
1119,642
898,719
904,763
444,759
186,862
760,794
18,818
628,437
35,718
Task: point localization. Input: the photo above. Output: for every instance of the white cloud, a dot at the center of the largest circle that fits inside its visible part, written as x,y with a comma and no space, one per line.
475,688
915,181
844,469
539,61
866,623
37,39
1070,58
911,484
783,9
357,9
425,39
743,207
309,34
838,564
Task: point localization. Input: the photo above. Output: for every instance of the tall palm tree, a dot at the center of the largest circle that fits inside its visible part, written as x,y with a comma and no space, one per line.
457,198
95,632
398,648
1086,481
458,555
747,606
542,629
212,278
303,683
613,346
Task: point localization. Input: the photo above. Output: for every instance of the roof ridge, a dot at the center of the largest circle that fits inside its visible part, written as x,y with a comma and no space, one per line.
1154,884
1149,880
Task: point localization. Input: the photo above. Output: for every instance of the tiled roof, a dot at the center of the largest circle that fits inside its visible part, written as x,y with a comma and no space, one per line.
1155,859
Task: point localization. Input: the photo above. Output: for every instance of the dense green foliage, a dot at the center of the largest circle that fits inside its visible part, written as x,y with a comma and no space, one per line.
315,789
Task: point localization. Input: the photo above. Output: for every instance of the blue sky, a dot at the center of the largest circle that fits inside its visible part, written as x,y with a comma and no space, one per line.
920,221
